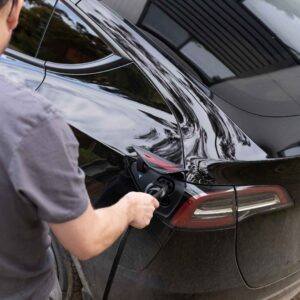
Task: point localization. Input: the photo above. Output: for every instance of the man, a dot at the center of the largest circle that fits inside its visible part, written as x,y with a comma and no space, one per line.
42,186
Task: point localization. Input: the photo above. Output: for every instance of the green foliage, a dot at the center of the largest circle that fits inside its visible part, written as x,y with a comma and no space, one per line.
63,42
32,23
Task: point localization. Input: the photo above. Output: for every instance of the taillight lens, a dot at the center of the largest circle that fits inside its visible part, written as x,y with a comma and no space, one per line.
212,210
253,200
206,209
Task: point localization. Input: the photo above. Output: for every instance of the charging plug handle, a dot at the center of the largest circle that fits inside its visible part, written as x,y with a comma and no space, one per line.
158,191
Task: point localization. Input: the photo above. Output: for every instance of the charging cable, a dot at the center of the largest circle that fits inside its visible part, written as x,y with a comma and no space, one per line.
158,192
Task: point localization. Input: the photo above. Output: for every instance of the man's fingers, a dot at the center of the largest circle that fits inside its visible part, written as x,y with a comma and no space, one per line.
155,202
144,206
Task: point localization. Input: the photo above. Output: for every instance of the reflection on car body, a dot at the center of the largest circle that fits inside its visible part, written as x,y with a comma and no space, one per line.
207,85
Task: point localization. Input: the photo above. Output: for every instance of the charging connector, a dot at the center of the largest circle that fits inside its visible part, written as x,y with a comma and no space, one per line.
158,191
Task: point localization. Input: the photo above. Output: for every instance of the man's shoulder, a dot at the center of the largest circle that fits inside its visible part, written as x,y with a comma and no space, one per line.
19,103
21,112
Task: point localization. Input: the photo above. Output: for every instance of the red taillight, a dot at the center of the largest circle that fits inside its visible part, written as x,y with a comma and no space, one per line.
217,209
253,200
207,210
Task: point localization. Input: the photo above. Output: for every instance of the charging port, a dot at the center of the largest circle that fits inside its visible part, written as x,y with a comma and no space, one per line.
166,182
168,189
161,189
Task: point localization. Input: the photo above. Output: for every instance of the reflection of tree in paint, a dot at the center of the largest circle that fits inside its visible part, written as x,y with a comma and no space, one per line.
33,19
67,40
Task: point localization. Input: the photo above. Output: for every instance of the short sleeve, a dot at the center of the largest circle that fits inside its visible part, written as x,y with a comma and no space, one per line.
44,170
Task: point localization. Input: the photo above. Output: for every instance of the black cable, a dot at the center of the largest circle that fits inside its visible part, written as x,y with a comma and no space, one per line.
158,195
116,261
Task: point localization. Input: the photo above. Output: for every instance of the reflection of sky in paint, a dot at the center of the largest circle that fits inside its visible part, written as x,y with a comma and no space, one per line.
282,17
72,19
67,15
200,109
96,116
22,73
29,5
105,116
205,60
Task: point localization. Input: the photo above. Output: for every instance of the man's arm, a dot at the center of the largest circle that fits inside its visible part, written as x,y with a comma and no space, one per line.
96,230
44,172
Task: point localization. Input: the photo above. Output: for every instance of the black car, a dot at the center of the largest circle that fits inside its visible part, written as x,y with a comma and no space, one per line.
202,97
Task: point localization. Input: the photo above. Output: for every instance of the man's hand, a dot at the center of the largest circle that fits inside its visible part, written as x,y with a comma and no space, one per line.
96,230
141,208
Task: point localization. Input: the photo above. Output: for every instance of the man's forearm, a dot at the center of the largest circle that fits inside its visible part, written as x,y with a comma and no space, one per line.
112,222
94,230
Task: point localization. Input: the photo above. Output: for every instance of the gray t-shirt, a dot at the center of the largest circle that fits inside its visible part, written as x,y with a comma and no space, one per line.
40,183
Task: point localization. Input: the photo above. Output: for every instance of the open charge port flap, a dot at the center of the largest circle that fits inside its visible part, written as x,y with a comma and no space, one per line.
151,181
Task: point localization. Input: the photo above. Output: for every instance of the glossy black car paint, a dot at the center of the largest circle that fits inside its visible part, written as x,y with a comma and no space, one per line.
261,96
107,104
227,142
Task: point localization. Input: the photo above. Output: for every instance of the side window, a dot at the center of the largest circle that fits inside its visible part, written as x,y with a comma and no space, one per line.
70,40
33,20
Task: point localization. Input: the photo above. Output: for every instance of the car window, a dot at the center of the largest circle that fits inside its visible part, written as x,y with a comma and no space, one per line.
33,21
70,40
